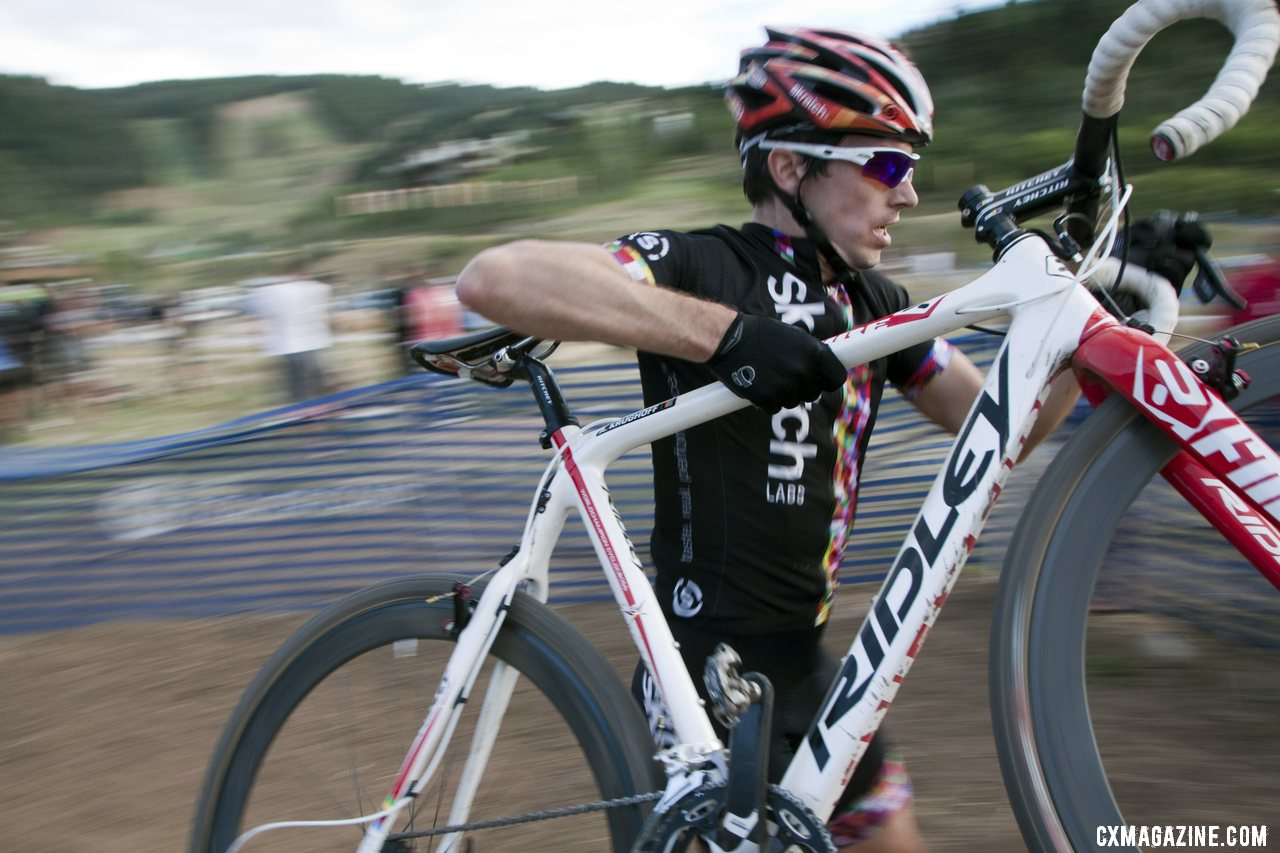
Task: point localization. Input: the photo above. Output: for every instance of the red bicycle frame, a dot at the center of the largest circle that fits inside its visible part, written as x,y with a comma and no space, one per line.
1223,469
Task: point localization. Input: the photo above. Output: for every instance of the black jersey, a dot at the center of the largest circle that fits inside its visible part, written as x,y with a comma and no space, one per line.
752,510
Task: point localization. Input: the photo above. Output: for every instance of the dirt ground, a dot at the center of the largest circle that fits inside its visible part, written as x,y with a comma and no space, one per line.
105,731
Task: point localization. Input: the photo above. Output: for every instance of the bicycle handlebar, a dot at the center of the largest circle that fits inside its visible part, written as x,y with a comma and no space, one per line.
1256,27
995,217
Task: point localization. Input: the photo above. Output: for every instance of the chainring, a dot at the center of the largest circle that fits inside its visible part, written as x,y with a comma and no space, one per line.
794,828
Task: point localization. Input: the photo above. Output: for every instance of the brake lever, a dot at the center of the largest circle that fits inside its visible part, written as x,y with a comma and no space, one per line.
1210,282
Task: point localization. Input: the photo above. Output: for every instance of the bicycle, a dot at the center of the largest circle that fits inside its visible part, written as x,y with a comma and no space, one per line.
1157,411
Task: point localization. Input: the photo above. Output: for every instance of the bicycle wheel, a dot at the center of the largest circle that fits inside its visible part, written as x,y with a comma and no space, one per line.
322,731
1069,658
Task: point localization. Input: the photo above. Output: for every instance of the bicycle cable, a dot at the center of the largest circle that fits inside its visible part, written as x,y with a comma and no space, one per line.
1117,221
531,817
1117,168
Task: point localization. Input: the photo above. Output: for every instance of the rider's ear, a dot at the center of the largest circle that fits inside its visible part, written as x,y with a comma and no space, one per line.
786,168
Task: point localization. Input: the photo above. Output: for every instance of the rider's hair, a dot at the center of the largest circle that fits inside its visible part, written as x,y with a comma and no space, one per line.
757,184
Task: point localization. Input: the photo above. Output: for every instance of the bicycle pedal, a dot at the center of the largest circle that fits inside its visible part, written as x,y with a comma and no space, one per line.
729,691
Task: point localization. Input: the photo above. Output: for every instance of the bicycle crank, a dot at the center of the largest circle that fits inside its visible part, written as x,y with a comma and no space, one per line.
697,816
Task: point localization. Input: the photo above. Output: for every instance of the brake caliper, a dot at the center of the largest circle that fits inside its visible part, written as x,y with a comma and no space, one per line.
1218,370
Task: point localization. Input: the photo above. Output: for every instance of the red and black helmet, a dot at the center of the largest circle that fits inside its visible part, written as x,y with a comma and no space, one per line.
806,80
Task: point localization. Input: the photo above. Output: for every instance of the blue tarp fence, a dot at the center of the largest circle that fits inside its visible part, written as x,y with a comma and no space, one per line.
291,509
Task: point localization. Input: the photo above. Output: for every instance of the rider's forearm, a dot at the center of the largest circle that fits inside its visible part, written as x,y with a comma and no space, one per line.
946,400
578,292
1062,397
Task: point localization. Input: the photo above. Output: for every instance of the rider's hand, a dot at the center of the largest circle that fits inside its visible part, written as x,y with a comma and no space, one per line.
1159,252
775,365
1165,245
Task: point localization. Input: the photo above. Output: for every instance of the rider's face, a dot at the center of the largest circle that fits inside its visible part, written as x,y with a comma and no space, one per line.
856,211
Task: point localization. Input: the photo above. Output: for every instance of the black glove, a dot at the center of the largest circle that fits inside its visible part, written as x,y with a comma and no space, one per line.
775,365
1166,245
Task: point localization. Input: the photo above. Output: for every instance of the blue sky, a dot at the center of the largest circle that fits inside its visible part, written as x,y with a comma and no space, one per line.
561,43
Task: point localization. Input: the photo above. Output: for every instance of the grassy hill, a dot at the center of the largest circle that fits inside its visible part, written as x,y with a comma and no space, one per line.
178,184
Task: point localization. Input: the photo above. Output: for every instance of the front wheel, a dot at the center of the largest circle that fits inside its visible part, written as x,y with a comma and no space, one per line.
322,731
1071,656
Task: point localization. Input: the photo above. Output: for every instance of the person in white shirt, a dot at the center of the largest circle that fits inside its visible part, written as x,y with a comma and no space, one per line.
294,310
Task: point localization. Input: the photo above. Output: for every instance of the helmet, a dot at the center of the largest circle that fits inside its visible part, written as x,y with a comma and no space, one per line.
826,80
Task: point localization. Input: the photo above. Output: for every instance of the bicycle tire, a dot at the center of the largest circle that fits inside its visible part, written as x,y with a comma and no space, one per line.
578,683
1045,739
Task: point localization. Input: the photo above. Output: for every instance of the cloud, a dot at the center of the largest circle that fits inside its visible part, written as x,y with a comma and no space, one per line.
504,42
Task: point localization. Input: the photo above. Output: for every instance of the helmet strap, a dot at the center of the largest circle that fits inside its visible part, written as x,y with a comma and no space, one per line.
843,274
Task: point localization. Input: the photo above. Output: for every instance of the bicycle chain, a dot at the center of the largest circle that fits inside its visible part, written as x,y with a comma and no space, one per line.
531,817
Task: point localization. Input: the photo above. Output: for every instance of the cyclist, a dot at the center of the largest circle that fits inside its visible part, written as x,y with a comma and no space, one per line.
753,510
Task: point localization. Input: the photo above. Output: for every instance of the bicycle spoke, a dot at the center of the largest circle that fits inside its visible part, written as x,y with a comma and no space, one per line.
324,733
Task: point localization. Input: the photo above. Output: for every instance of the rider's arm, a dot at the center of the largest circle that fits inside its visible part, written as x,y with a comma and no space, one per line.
576,291
1063,394
947,398
579,292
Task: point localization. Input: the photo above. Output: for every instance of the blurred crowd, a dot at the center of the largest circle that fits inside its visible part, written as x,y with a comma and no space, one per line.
71,349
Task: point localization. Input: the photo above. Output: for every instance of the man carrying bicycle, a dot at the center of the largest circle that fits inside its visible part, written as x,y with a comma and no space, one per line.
753,510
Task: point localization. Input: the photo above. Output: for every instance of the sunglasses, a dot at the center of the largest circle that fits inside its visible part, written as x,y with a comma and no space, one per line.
889,166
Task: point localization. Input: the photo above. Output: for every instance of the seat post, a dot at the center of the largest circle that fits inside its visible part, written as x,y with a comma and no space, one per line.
546,391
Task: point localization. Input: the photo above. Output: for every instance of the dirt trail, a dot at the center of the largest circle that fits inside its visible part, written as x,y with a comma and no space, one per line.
106,730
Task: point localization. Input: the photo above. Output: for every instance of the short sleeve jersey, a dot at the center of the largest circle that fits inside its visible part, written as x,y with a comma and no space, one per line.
752,510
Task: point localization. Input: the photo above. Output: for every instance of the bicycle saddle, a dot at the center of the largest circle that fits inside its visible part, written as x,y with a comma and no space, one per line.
487,356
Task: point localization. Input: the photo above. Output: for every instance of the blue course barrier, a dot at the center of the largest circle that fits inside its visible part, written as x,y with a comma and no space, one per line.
290,509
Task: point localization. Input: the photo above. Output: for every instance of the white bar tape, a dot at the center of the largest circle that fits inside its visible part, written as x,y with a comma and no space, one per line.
1159,299
1256,26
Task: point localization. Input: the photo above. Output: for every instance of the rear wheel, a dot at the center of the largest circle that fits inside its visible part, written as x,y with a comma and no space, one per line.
322,731
1086,631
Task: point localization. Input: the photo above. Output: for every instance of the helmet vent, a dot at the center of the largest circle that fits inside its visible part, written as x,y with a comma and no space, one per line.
843,96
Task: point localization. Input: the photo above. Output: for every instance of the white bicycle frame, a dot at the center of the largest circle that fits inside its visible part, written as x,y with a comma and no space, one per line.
1049,313
1049,317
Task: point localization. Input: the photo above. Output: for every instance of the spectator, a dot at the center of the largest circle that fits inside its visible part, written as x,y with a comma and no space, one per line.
24,311
294,314
426,309
433,310
74,314
1259,284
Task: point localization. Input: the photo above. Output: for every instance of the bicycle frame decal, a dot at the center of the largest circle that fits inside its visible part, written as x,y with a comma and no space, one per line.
1049,315
1158,383
631,588
1221,504
1226,472
1263,533
907,315
635,416
915,313
601,533
984,437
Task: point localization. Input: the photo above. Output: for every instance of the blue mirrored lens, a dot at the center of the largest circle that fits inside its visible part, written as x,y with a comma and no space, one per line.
889,167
